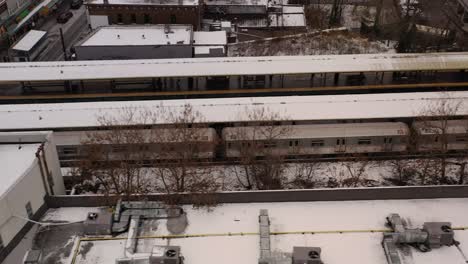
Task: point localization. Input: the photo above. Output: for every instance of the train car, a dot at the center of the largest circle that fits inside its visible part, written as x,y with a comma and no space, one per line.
161,144
320,139
450,135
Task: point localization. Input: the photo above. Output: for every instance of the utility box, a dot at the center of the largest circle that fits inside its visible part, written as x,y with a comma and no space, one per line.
32,257
165,255
306,255
98,223
439,234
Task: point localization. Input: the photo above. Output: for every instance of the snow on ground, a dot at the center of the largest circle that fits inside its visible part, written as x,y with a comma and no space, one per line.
313,43
362,248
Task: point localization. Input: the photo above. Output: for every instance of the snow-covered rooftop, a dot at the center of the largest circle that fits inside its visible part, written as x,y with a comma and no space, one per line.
228,66
329,107
337,248
144,2
29,40
15,160
140,35
209,38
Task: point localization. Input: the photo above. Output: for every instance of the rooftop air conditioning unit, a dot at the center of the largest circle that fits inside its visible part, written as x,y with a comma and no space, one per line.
306,255
165,255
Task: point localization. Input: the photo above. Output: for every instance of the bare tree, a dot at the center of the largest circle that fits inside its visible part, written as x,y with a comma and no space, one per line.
434,132
113,156
182,146
260,150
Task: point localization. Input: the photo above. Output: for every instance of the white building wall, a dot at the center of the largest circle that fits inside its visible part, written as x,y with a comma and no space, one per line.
29,188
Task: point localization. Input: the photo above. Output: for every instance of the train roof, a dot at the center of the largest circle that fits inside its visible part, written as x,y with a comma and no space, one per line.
436,127
63,116
318,131
229,66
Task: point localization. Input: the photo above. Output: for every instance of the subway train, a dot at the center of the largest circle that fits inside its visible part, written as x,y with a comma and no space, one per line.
297,140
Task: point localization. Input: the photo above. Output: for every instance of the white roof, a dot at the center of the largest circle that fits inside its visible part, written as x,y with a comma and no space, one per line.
115,69
206,49
140,35
326,107
15,160
145,2
29,40
337,248
209,38
321,131
287,20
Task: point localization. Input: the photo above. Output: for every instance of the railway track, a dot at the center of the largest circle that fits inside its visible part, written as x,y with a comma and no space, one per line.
164,95
290,160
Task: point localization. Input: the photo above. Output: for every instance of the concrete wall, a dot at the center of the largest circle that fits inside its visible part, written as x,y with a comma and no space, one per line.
132,52
388,193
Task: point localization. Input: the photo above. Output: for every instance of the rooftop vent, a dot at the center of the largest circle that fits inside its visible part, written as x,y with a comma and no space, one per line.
165,255
306,255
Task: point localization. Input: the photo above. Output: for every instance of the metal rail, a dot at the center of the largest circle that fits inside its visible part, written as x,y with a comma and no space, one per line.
235,92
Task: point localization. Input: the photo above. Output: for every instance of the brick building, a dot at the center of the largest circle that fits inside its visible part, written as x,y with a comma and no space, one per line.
125,12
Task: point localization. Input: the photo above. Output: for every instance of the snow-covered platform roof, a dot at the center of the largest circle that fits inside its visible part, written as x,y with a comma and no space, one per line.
229,66
29,40
330,107
140,35
337,248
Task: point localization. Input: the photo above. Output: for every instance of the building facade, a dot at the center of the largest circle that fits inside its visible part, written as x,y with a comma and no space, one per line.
122,12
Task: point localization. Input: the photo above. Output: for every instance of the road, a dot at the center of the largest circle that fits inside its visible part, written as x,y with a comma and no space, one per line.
75,29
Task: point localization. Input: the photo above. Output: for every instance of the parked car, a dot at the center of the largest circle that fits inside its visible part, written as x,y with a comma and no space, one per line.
76,4
64,17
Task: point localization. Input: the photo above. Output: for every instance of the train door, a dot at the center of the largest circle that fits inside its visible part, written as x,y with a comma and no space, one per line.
340,145
387,144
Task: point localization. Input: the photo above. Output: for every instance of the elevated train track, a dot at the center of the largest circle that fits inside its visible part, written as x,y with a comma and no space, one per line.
231,77
257,92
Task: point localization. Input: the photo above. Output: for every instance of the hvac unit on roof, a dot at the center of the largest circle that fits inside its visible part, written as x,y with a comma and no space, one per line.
306,255
165,255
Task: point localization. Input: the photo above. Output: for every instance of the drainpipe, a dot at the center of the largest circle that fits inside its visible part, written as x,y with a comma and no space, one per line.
41,168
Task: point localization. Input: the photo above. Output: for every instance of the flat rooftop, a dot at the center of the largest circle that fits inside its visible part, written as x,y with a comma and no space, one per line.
217,246
140,35
29,40
216,38
326,107
15,160
145,2
229,66
237,2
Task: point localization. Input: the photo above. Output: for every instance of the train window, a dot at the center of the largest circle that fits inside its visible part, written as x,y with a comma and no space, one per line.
269,145
294,143
364,141
69,150
229,145
436,139
340,141
461,139
388,140
142,148
119,148
317,143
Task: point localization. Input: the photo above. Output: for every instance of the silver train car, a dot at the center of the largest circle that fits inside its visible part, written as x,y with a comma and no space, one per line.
320,139
166,146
